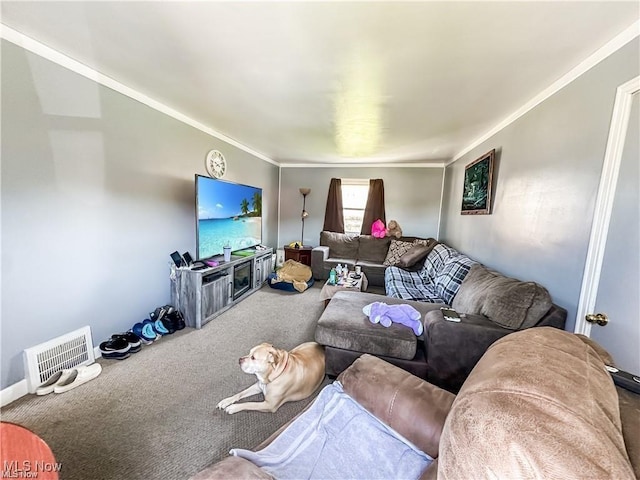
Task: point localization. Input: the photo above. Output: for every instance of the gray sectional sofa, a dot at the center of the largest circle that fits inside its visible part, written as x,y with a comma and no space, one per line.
365,250
491,306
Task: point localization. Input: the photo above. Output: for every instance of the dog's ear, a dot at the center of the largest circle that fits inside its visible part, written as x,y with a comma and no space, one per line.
274,356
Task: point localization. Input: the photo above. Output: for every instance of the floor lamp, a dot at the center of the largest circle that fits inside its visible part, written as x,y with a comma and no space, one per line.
305,214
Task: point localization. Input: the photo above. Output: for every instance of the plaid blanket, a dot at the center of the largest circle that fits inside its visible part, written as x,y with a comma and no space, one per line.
407,285
438,281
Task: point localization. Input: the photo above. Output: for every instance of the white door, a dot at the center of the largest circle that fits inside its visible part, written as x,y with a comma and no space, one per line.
611,286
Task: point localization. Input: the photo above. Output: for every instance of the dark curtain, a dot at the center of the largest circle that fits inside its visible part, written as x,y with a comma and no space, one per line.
333,216
375,206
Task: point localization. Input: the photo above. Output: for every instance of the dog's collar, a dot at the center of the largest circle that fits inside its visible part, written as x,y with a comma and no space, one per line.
286,362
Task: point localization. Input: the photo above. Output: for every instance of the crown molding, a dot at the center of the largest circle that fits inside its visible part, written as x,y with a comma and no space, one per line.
44,51
363,165
592,60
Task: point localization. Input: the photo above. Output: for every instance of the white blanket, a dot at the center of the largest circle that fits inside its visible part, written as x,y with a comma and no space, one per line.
337,438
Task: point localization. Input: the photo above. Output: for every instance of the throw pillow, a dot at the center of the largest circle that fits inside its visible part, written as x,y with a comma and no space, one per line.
428,242
416,253
397,249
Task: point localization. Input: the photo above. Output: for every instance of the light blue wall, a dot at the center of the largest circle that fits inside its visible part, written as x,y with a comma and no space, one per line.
548,170
97,190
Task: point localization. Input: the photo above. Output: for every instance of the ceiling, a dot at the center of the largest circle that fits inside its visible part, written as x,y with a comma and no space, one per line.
332,82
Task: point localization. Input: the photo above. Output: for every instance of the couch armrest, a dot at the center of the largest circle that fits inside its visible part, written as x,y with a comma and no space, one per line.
414,408
555,317
453,348
318,257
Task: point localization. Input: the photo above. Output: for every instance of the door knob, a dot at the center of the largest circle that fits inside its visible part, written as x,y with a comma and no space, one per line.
598,318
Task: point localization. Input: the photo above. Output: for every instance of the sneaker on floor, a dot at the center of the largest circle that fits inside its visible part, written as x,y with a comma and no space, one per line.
58,377
168,324
79,375
134,340
158,314
176,319
115,349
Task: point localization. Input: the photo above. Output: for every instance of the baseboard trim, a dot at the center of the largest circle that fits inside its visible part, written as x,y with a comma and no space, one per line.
13,392
20,389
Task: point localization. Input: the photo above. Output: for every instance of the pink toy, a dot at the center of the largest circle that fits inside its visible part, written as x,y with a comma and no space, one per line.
378,229
385,315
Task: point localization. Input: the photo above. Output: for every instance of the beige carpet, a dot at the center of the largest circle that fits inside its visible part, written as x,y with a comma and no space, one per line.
153,415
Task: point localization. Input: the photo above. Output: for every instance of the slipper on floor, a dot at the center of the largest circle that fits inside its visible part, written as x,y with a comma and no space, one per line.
145,331
48,386
79,376
159,328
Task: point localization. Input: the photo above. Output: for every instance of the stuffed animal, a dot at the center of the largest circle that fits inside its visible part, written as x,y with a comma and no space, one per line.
393,229
385,315
378,229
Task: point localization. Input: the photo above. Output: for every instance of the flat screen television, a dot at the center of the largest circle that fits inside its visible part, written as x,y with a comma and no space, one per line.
227,213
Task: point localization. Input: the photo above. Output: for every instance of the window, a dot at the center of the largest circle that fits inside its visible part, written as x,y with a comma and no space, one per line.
354,201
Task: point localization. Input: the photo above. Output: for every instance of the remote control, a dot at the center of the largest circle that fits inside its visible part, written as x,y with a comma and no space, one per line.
624,379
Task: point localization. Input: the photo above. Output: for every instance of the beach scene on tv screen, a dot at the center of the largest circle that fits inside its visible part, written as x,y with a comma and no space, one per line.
228,214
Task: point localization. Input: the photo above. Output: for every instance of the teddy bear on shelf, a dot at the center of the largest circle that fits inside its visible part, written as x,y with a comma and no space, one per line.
393,229
385,315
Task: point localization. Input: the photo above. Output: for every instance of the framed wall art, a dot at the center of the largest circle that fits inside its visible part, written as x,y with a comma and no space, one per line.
478,178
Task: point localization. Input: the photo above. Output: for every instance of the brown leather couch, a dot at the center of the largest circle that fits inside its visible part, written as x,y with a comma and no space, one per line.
539,404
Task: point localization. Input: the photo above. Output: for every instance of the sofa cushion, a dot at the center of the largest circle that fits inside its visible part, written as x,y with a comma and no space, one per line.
451,276
397,249
416,253
506,301
344,325
435,260
427,242
372,249
538,404
399,283
340,245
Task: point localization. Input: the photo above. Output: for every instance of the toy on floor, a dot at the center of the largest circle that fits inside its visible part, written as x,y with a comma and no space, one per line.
385,315
393,229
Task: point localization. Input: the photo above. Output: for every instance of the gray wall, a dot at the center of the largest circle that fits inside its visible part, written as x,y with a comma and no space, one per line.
97,190
548,169
412,198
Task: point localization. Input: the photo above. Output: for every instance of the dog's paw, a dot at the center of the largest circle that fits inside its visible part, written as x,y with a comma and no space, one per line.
231,409
225,403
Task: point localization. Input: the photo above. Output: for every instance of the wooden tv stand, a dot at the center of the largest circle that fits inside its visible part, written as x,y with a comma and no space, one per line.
202,295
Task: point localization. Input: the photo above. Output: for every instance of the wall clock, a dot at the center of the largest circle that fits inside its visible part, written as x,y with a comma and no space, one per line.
215,164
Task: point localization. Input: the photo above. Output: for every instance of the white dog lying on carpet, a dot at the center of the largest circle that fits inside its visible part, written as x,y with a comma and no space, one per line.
282,376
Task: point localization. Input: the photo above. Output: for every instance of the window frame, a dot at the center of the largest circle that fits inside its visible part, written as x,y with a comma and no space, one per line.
354,182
